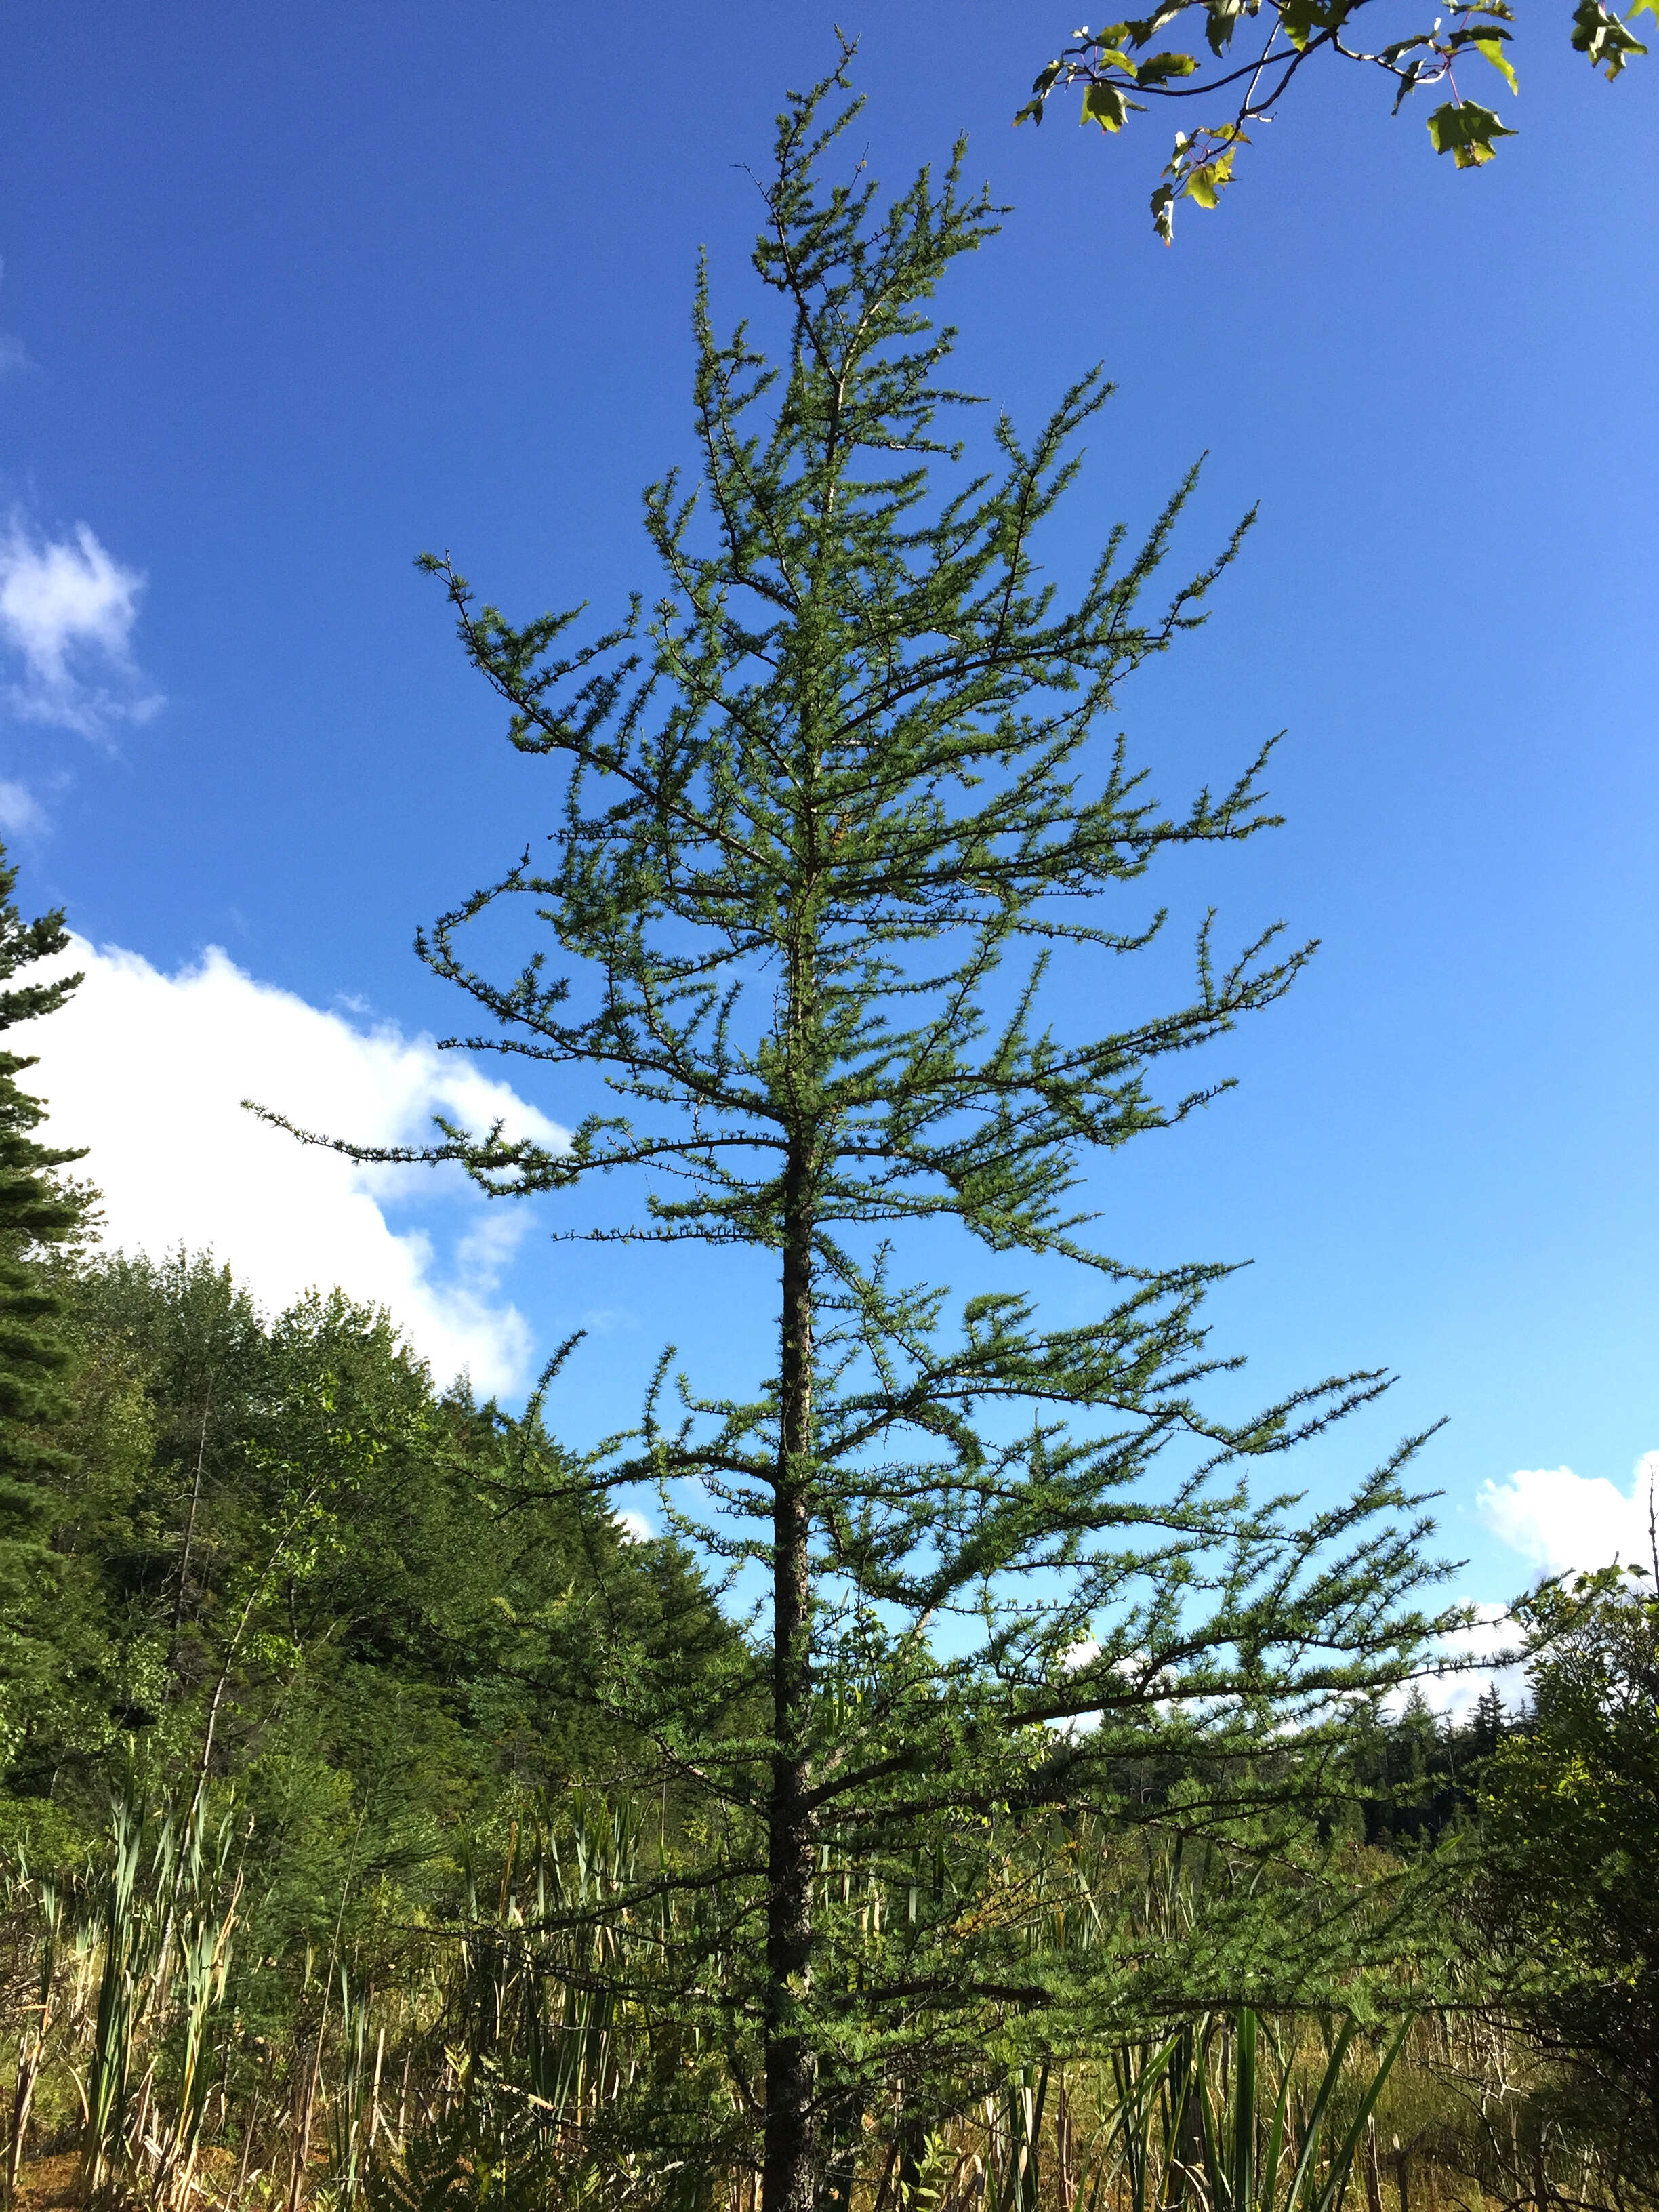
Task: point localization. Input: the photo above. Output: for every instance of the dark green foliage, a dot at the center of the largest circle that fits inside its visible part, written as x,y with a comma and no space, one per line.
314,1591
340,1658
1418,1776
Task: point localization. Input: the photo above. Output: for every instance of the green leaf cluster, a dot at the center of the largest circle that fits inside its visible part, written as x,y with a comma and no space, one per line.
1571,1807
1289,33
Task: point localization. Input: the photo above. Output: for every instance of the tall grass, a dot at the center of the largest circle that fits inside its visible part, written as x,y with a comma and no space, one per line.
493,2060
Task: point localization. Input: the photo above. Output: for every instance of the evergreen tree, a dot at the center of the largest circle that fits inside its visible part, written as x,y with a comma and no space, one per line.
1489,1723
39,1212
837,817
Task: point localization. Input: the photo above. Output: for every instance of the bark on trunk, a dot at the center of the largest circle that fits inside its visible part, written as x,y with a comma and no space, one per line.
790,2170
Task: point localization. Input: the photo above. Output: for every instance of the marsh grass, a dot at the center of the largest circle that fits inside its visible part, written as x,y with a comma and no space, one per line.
496,2059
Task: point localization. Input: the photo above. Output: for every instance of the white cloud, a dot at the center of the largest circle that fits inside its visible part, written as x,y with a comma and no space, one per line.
1562,1522
635,1529
67,612
148,1070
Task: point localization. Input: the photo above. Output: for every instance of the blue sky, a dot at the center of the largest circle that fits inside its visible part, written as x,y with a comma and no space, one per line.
290,295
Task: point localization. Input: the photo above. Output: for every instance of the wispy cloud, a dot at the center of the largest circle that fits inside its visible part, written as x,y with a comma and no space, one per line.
12,355
68,609
148,1071
20,810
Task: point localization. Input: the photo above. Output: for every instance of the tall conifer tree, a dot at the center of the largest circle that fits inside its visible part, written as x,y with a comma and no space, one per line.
38,1211
839,818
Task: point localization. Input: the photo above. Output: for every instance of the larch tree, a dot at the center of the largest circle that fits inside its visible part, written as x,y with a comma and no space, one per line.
844,857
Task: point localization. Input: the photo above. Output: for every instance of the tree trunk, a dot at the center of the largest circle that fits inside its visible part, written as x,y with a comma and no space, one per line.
790,2176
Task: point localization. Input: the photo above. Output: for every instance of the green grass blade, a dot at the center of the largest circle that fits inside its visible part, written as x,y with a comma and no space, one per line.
1337,2178
1244,2173
1304,2165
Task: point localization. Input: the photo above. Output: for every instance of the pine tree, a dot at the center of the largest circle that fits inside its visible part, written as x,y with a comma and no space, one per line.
838,817
1489,1723
39,1211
